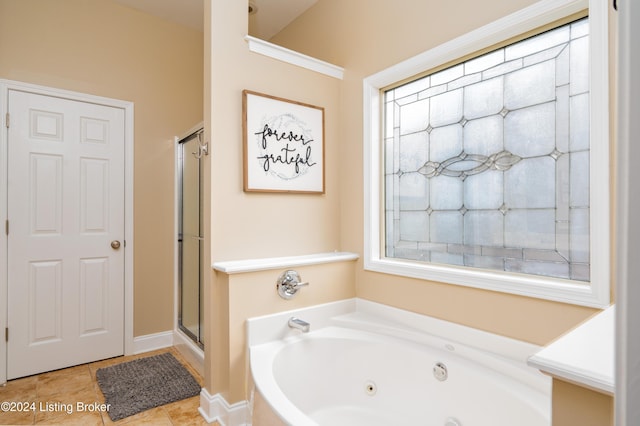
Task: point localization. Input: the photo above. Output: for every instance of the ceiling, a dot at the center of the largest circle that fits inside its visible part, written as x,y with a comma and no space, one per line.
270,17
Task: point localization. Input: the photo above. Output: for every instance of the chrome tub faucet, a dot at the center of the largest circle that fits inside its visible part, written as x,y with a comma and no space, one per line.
299,324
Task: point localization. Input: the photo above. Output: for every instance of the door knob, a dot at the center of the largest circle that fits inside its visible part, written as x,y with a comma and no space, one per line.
115,244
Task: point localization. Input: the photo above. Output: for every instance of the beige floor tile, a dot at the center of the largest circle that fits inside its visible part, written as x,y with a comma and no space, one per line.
17,418
63,381
68,406
19,390
152,417
80,418
56,395
181,412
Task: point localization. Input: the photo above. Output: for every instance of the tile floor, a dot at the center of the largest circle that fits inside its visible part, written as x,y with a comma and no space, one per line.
52,392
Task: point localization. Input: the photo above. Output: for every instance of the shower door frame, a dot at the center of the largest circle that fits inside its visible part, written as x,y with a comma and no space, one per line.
195,340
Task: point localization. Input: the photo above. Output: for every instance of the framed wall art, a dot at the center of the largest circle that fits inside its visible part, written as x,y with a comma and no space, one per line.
283,145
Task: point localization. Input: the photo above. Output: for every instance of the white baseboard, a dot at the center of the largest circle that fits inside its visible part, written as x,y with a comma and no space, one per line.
189,350
151,342
216,408
212,407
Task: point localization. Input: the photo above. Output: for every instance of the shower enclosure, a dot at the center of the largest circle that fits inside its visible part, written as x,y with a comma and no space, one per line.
190,236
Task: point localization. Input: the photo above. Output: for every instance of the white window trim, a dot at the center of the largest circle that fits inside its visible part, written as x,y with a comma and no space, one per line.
597,294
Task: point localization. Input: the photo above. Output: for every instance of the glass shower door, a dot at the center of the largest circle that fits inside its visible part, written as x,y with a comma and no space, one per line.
190,242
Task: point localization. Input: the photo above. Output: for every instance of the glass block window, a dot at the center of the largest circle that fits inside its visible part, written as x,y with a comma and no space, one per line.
486,163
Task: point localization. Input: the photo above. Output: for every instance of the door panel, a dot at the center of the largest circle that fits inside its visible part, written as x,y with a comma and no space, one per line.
65,207
44,283
45,187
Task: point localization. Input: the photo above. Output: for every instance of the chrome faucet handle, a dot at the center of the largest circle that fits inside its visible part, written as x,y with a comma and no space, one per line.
289,283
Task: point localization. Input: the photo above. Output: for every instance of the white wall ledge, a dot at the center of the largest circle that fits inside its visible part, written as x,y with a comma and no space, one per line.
292,57
585,356
254,265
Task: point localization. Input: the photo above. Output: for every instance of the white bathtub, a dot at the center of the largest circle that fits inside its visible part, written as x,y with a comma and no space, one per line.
381,366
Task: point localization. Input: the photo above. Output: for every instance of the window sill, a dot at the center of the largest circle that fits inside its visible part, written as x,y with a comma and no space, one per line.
557,290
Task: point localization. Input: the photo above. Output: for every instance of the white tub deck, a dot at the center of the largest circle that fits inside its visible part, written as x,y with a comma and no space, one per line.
302,389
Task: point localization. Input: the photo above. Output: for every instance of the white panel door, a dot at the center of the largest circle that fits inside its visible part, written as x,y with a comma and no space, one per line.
66,229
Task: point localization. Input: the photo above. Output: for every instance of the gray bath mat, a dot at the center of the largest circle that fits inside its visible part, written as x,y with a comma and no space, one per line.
141,384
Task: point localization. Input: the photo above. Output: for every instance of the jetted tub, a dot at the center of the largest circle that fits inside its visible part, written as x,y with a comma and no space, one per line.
382,366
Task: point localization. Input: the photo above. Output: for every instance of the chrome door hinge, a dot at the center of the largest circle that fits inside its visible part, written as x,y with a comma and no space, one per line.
6,120
6,226
6,334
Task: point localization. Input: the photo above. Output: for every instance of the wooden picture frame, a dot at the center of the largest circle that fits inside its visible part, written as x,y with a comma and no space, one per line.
283,145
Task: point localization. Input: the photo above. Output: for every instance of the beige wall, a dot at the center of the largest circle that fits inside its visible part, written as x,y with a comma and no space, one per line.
368,36
256,225
363,36
102,48
253,294
574,405
250,225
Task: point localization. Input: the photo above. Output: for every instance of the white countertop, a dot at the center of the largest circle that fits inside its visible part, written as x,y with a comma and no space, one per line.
585,355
